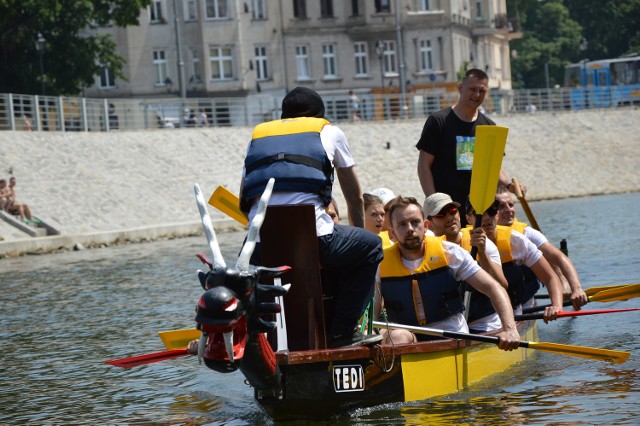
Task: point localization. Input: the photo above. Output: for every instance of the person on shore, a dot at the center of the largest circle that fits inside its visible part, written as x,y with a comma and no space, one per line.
418,280
387,197
448,135
354,105
562,265
301,151
5,193
14,207
522,263
444,220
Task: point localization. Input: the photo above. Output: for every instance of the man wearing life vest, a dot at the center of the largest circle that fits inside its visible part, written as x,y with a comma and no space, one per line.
522,263
444,221
300,151
419,280
562,265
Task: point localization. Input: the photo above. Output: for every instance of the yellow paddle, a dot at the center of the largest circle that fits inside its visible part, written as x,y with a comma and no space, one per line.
591,290
612,295
617,357
179,339
525,205
228,203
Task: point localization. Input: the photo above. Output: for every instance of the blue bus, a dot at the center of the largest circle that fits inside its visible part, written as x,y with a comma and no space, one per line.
604,83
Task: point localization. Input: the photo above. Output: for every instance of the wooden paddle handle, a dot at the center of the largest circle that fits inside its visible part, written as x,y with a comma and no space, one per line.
516,188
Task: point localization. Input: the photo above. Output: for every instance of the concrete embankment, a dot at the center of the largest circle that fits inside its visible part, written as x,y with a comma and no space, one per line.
101,188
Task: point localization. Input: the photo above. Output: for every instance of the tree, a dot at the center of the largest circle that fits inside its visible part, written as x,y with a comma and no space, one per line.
73,52
550,37
611,27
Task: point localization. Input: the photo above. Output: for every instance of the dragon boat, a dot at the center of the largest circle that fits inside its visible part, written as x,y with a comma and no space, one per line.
286,359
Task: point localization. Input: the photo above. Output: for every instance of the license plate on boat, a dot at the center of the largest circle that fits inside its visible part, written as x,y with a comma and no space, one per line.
348,378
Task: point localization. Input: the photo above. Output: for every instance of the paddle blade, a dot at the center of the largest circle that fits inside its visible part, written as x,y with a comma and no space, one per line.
487,161
179,339
593,290
608,355
228,203
620,293
134,361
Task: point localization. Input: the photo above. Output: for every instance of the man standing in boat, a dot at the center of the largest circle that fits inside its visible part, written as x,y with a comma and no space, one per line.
301,151
419,278
562,265
447,139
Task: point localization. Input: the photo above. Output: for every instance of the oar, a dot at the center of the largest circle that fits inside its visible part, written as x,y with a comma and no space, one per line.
134,361
534,316
179,339
591,290
487,161
525,204
617,357
228,203
620,293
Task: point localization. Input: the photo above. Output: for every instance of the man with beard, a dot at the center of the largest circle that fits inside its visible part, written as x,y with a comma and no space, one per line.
418,280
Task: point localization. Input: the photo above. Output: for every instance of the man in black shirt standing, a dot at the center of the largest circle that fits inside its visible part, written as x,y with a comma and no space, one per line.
446,143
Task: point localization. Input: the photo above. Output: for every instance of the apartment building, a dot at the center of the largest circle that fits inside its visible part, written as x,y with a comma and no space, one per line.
245,48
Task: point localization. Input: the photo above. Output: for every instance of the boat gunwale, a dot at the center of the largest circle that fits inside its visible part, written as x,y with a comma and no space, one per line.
360,352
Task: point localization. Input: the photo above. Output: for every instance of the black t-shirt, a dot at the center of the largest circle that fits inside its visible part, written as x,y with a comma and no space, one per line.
446,137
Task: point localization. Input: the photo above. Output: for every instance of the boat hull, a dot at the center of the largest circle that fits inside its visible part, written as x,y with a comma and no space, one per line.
321,384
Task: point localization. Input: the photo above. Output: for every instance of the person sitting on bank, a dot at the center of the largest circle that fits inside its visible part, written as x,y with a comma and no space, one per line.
418,282
444,221
522,263
14,207
301,151
5,193
562,265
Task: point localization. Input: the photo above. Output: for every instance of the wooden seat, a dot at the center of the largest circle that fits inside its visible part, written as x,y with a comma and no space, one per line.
288,237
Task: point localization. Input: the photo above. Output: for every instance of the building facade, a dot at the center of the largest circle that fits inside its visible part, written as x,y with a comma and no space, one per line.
245,48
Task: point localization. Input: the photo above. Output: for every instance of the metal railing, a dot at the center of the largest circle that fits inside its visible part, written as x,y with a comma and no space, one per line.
50,113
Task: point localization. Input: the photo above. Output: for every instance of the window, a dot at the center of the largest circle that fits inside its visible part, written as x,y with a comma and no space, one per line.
300,9
360,54
302,63
383,6
221,59
426,55
355,8
389,57
424,5
262,70
155,11
196,71
259,11
107,80
326,8
478,8
216,9
329,60
191,10
160,65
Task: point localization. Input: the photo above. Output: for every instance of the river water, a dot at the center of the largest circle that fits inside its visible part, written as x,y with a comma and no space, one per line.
62,315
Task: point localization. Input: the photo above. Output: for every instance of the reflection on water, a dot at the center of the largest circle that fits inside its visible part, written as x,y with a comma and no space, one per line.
63,315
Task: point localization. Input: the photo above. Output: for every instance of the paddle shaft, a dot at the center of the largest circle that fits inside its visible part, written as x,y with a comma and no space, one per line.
617,357
525,204
134,361
567,314
618,293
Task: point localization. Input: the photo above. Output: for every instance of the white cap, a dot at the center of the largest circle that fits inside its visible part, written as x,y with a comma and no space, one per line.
385,194
436,202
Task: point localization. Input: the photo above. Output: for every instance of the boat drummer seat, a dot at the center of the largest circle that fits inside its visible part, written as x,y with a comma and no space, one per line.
288,237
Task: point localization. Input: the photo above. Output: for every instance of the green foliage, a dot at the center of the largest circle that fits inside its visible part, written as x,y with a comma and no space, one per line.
553,30
71,54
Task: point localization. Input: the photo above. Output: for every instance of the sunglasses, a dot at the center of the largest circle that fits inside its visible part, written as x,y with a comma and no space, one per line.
452,210
491,211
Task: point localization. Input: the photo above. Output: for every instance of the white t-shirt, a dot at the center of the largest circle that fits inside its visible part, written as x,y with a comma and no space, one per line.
336,146
535,236
463,266
523,251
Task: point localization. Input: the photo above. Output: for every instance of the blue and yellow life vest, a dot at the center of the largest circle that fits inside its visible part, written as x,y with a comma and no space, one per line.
428,294
289,150
523,283
479,305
